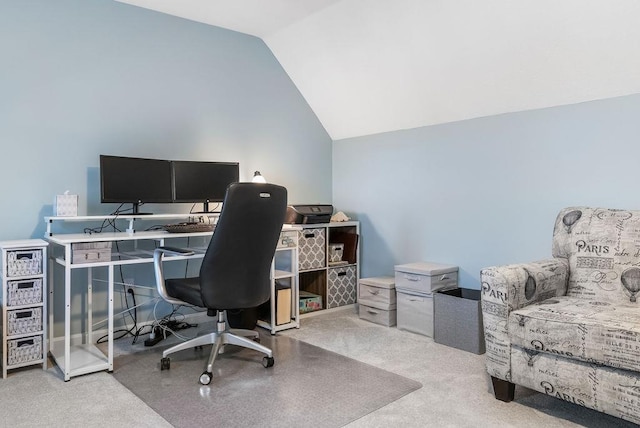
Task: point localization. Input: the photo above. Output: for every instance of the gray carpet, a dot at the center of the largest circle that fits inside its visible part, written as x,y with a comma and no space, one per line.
308,386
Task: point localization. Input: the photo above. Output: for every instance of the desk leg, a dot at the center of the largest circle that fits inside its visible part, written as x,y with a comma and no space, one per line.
272,302
67,314
88,339
45,318
110,320
51,270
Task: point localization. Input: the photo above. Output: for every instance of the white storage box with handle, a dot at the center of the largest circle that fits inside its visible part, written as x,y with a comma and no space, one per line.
426,277
415,284
377,300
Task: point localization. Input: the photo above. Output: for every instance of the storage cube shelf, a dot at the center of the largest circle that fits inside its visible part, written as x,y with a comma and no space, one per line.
328,264
24,313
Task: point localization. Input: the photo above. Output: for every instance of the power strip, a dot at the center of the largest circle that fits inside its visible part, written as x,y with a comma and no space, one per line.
158,335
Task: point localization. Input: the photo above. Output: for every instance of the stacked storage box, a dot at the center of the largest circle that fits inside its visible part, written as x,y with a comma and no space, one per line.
377,300
415,285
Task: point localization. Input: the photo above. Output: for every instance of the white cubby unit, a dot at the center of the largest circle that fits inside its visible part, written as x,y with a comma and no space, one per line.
328,265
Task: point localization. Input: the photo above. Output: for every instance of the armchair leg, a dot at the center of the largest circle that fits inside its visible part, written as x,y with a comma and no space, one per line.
502,389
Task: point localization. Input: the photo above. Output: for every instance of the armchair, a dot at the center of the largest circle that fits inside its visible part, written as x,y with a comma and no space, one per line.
235,271
569,326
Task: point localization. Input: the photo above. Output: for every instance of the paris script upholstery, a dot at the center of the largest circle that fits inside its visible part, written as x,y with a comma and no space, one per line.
570,326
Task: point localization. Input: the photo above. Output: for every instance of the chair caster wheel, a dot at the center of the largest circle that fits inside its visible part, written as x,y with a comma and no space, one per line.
205,378
165,363
268,362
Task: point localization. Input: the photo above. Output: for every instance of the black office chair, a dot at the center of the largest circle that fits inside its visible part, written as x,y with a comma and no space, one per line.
235,271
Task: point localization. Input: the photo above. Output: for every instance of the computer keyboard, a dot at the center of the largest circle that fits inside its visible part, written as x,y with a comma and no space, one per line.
189,227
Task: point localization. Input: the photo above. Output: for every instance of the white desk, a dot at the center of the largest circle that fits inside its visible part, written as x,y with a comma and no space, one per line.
128,218
79,359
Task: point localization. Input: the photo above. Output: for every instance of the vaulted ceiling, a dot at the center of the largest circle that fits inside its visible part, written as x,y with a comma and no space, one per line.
372,66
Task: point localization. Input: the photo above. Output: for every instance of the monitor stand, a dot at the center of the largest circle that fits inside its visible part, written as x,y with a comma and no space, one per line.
205,209
136,209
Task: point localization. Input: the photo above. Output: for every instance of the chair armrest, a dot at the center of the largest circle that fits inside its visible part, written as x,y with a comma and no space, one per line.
158,255
510,287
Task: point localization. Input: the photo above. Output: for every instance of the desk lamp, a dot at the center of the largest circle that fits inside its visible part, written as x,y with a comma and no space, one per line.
258,178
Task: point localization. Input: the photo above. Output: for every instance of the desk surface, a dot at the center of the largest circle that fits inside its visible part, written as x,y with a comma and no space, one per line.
85,218
72,238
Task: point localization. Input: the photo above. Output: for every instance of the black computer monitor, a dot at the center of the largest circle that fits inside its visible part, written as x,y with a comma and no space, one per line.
203,182
135,180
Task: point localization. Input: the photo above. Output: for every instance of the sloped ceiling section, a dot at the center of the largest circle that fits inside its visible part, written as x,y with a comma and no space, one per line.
372,66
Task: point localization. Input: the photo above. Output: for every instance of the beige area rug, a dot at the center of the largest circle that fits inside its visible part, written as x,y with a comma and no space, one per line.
308,386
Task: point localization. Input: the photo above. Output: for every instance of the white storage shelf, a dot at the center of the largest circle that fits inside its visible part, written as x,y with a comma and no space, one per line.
284,267
24,313
322,271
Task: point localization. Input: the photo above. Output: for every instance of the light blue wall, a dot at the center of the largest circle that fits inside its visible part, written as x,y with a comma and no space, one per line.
80,78
83,77
486,191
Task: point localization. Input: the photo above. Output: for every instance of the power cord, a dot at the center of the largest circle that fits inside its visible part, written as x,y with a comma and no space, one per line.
164,328
133,331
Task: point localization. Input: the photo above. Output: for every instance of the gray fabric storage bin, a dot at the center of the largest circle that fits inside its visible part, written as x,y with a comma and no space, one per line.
458,319
415,312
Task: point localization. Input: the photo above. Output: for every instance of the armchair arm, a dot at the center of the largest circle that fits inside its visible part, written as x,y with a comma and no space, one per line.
511,287
158,255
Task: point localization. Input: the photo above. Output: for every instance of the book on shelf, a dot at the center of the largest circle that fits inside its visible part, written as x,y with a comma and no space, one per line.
283,305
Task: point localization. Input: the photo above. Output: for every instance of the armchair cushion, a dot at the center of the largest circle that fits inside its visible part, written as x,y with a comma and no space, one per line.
591,331
603,249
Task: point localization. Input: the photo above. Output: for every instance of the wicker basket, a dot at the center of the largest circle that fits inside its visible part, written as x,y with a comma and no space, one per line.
22,321
24,350
24,262
24,292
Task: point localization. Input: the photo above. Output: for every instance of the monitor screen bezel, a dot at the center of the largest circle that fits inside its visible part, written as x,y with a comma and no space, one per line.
109,195
214,197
